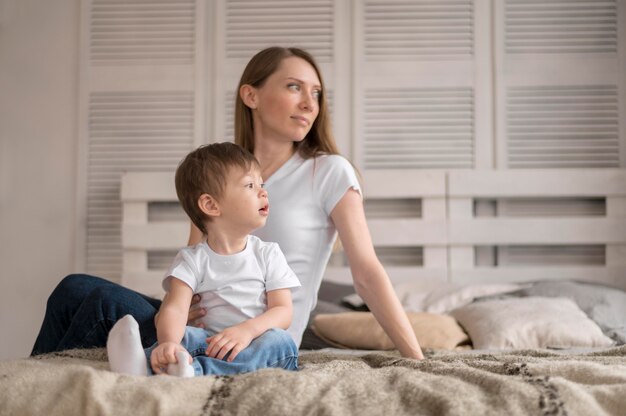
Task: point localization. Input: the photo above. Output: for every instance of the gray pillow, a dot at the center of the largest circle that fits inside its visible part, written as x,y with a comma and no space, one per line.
606,306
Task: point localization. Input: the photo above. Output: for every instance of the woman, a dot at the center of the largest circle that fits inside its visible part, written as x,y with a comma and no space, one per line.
281,116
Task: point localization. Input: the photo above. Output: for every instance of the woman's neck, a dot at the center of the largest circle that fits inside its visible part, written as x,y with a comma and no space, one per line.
272,156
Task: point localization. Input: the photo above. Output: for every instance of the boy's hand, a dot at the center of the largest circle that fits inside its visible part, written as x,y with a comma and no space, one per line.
234,339
164,354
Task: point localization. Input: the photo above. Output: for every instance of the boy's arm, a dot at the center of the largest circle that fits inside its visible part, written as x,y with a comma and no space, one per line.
171,325
193,315
277,315
172,317
238,337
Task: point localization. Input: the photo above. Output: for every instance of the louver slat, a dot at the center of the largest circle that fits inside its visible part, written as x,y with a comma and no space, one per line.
563,126
418,128
403,30
252,26
128,131
142,32
560,26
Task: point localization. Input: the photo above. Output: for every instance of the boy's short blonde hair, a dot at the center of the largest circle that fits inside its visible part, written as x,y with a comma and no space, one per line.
205,171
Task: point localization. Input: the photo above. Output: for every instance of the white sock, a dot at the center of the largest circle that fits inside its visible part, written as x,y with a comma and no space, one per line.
124,348
182,368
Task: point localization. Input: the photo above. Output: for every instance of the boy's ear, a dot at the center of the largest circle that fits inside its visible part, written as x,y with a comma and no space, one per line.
209,205
248,96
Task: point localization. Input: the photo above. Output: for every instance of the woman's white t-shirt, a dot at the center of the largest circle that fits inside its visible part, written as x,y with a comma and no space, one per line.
302,194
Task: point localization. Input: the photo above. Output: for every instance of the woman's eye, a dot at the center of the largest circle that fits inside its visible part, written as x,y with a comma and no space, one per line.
293,86
317,94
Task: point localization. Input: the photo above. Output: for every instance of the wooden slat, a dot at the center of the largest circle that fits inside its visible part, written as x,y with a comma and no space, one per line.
537,183
399,183
406,232
148,186
155,236
613,276
482,231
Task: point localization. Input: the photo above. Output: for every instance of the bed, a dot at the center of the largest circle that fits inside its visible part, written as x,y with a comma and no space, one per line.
514,282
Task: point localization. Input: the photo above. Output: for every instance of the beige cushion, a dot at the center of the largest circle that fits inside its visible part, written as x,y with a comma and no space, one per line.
360,330
531,322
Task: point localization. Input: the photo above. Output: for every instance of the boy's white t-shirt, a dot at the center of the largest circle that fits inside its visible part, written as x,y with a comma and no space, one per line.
302,195
232,287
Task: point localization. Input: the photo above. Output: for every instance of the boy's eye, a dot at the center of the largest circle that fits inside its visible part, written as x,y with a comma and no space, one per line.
250,185
263,185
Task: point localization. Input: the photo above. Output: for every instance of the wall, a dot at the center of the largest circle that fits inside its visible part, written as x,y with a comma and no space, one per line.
38,107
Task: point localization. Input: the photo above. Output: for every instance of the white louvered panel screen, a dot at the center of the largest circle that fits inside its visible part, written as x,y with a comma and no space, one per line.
252,25
402,30
563,126
229,117
418,128
559,78
142,31
128,131
561,26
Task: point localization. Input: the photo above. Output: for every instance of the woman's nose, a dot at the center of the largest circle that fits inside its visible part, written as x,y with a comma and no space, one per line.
307,102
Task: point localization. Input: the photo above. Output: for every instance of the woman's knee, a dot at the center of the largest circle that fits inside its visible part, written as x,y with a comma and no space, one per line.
72,286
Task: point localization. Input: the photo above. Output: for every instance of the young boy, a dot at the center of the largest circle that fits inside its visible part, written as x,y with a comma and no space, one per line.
244,283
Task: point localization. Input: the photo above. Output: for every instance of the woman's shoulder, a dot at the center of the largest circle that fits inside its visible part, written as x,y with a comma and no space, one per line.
330,163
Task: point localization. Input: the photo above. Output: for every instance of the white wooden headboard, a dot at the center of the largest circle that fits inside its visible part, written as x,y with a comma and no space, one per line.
540,224
461,226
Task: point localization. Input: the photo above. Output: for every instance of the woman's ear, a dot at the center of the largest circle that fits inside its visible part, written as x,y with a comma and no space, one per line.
248,96
209,205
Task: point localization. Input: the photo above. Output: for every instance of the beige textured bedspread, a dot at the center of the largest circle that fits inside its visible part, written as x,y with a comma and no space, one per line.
329,383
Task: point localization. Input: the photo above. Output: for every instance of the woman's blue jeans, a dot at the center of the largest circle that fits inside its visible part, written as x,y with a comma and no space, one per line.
272,349
82,309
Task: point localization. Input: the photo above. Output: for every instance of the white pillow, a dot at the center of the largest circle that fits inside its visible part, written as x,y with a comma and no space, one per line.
449,296
531,322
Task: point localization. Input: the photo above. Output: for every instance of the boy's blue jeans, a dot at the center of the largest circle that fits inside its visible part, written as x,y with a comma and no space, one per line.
272,349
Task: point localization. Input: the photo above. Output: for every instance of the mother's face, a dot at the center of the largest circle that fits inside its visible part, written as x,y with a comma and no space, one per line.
287,104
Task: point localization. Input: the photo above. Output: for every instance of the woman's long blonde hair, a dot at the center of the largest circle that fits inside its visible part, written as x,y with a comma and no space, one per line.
319,140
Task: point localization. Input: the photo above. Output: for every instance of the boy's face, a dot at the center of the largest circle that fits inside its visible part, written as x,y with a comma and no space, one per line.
244,204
